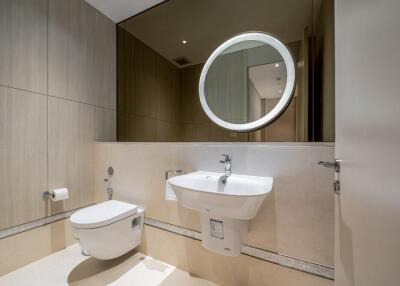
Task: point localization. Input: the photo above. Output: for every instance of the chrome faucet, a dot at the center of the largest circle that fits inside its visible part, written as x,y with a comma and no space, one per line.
109,189
228,167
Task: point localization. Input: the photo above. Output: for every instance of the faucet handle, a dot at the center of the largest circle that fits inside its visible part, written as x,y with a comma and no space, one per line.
227,157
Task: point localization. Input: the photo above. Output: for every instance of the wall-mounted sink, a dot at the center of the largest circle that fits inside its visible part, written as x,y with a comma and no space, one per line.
226,204
239,198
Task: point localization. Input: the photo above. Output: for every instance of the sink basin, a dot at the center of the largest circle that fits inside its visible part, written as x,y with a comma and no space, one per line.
239,198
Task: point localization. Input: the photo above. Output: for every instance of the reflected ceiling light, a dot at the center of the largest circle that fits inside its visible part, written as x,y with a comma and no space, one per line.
277,65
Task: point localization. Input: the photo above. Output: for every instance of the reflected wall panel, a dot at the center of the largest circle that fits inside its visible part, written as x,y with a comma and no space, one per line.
148,93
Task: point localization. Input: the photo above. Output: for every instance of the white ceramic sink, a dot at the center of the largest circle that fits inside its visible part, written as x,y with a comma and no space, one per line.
239,198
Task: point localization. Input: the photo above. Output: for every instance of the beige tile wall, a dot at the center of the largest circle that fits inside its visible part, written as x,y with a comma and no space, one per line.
57,96
296,219
189,255
17,251
26,247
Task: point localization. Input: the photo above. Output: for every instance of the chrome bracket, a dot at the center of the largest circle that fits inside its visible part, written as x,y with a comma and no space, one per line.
175,172
336,166
47,195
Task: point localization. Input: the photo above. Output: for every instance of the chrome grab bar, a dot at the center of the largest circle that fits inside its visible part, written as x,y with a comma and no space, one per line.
176,172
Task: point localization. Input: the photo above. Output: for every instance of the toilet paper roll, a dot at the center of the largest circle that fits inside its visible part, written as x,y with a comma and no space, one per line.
59,194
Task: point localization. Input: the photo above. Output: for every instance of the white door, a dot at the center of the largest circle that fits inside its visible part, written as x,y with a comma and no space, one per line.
367,250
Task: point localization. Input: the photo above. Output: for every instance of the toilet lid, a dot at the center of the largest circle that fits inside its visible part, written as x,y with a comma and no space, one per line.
102,214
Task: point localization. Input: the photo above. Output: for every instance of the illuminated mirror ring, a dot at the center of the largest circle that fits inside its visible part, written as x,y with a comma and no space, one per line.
287,94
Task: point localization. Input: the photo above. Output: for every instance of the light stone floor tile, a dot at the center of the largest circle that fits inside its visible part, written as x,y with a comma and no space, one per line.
69,267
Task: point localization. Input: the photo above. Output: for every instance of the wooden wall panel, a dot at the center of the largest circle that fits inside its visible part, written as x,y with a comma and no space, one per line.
23,155
105,128
105,62
71,136
23,48
53,129
71,50
148,93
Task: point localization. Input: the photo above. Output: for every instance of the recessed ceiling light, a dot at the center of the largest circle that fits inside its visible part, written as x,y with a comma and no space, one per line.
277,65
280,91
184,42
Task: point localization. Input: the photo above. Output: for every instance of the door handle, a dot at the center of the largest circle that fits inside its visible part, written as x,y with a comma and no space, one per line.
336,166
333,165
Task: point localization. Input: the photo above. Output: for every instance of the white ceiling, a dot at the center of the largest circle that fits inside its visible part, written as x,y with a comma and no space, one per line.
119,10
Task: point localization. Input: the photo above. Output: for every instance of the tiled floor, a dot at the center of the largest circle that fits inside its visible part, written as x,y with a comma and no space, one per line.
69,267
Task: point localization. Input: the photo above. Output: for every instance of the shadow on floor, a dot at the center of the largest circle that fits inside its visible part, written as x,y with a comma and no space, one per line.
103,272
181,278
155,265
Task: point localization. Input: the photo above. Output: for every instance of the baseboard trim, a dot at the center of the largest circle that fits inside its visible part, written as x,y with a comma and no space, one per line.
277,258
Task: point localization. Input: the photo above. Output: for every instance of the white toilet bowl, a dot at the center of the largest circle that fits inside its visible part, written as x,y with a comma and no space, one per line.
108,230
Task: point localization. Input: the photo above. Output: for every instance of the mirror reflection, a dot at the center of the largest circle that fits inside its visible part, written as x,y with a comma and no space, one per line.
162,51
245,82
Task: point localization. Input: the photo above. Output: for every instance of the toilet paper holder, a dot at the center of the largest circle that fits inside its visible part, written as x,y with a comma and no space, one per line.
56,195
47,195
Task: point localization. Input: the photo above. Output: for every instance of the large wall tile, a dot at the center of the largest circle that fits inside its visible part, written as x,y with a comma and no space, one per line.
71,50
23,48
23,147
105,125
188,255
71,136
105,62
296,219
21,249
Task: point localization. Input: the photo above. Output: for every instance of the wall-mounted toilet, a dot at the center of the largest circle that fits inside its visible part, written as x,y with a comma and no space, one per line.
108,230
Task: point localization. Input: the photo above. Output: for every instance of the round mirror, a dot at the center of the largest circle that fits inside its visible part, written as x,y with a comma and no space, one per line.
247,82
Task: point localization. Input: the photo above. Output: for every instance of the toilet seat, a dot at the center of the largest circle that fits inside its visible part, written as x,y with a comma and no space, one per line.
102,214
